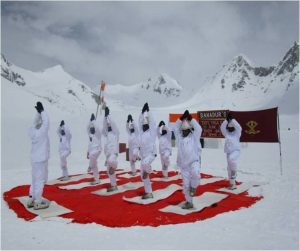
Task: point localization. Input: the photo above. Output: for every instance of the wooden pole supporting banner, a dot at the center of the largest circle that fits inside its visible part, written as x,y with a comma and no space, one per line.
279,141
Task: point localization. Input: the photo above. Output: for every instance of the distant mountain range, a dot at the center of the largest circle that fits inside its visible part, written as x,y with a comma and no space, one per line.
237,86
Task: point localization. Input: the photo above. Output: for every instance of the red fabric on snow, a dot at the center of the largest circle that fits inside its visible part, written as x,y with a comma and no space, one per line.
113,211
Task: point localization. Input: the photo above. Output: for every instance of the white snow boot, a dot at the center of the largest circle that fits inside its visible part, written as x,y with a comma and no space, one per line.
30,202
187,205
147,196
42,205
112,189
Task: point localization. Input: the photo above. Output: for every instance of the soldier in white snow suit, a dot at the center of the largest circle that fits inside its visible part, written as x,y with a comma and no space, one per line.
64,148
133,143
40,151
111,148
187,132
165,146
147,131
232,132
94,148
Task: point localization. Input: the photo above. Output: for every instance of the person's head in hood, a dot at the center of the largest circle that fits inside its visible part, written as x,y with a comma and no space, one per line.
92,130
145,123
131,127
109,129
162,128
230,127
186,128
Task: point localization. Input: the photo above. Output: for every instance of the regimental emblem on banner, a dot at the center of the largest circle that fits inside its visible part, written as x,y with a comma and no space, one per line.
252,124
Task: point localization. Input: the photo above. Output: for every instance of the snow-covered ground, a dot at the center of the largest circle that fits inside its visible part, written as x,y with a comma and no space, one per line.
272,223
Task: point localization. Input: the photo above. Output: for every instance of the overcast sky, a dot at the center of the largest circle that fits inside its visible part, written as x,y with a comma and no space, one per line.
127,42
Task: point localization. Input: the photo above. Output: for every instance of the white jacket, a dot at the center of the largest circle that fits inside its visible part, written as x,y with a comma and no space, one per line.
40,146
147,139
64,147
188,147
232,139
95,145
111,145
133,138
164,140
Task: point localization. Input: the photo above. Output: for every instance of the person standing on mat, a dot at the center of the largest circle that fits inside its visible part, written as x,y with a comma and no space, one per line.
147,131
64,148
111,148
133,143
165,147
187,132
232,132
94,148
40,152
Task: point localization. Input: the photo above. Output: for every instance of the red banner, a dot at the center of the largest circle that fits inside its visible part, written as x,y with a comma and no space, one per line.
210,122
258,126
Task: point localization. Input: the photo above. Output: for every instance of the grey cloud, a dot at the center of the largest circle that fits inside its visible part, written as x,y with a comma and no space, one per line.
126,42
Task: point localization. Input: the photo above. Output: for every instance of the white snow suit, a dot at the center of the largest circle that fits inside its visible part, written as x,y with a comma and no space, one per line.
147,149
111,148
165,149
40,152
133,145
64,148
94,148
232,147
188,156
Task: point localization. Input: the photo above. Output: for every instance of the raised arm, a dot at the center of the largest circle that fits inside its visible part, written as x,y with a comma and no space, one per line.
67,132
169,134
58,131
176,128
140,123
152,125
223,128
237,126
114,127
197,128
158,132
45,125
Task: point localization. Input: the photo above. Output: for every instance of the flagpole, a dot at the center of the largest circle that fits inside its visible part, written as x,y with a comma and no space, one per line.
99,101
102,86
279,141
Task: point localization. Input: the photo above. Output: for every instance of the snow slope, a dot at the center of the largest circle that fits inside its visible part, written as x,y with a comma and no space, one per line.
52,85
241,86
272,223
159,91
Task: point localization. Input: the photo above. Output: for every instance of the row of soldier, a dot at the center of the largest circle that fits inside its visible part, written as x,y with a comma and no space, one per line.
142,145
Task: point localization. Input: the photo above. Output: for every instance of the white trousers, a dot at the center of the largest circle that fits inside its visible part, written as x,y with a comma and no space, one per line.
165,162
232,165
146,167
63,164
191,178
112,164
39,175
94,164
133,154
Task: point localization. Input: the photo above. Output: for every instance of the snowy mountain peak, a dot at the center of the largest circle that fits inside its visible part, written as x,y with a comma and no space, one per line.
163,84
241,60
290,60
53,85
240,84
9,72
